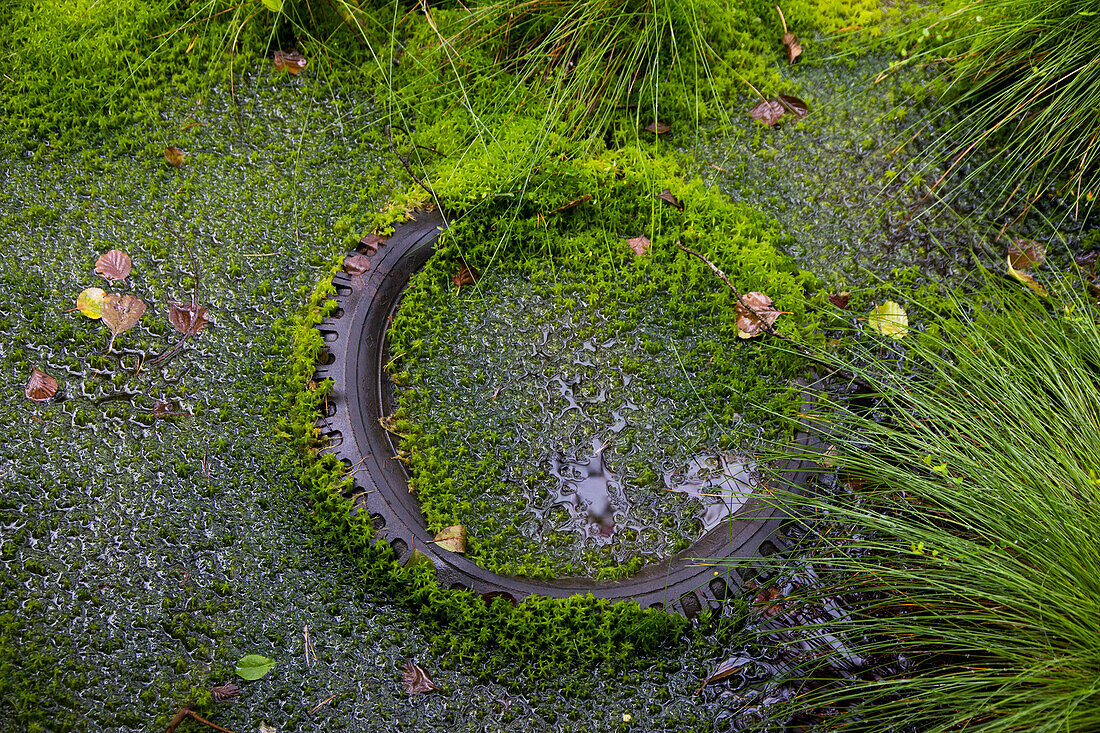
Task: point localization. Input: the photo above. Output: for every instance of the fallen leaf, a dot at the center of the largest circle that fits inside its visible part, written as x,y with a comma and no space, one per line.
640,245
666,195
794,105
228,692
121,313
889,319
1023,254
291,62
465,276
452,538
840,300
724,670
273,5
751,324
268,728
767,111
113,265
794,50
416,680
187,319
174,156
370,243
356,264
583,198
90,302
417,559
161,409
657,128
40,387
253,666
1026,278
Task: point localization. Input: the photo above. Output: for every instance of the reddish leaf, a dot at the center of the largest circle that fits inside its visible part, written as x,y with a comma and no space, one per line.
416,680
174,156
356,264
767,111
291,62
657,128
794,105
187,319
114,265
121,313
794,50
161,410
1023,254
40,387
465,276
751,324
640,245
667,196
370,243
840,300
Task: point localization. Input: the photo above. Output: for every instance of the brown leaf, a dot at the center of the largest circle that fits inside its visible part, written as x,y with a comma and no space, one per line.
161,410
794,105
1023,254
226,693
187,319
121,313
356,264
794,50
465,276
452,538
724,670
640,245
40,387
767,111
583,198
840,300
291,62
174,156
657,128
666,195
370,243
416,680
114,265
748,324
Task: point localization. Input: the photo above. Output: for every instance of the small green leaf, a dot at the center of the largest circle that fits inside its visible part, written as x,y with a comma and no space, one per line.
253,666
273,5
889,319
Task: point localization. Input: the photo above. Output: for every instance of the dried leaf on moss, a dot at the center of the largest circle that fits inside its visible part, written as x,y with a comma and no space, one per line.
840,300
291,62
1023,254
416,680
113,265
767,111
657,128
1026,278
640,245
187,319
174,156
452,538
794,49
121,313
750,324
40,387
90,302
667,196
465,276
889,319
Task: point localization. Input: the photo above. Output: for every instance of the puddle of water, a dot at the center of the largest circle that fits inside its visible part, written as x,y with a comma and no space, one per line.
723,482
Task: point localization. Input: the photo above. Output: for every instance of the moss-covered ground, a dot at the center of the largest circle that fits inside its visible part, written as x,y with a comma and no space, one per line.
157,524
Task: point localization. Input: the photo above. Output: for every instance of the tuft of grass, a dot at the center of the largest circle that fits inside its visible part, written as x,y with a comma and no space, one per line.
971,537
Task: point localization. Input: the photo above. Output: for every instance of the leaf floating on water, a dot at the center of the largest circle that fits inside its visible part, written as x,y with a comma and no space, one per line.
40,387
1026,278
416,680
667,196
253,666
794,50
640,245
465,276
90,302
730,666
187,319
751,324
174,156
657,128
840,300
291,62
114,265
1023,254
452,538
356,264
889,319
121,313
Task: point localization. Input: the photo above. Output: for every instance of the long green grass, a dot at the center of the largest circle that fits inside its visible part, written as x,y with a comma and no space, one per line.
969,530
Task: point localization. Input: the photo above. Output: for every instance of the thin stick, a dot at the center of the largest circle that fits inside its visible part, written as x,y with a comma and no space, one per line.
405,163
186,712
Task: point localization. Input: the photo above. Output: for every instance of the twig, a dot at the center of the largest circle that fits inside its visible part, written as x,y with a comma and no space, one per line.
186,712
326,701
176,348
405,162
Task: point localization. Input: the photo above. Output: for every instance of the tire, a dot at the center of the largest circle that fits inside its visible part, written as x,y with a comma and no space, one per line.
355,339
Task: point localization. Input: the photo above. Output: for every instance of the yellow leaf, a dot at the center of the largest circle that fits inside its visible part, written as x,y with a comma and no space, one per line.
90,302
452,538
1026,278
889,319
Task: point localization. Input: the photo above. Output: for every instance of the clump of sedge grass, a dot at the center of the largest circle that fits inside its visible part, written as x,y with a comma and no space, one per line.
974,536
